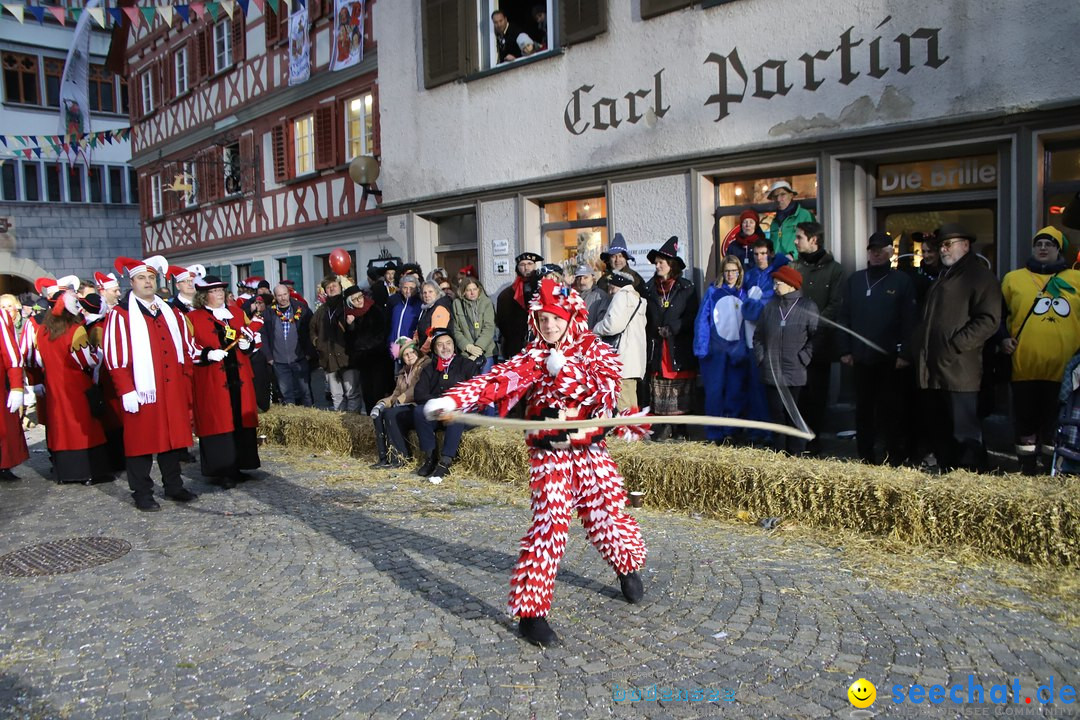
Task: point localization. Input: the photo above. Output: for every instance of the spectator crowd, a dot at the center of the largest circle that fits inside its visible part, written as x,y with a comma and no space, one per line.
119,378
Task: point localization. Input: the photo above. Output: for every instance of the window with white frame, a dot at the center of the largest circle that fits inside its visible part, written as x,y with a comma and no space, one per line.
180,71
191,196
231,164
304,143
222,46
146,82
358,127
155,195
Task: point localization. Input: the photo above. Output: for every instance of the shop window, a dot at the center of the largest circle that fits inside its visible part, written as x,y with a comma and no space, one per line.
95,183
20,78
359,138
31,181
459,38
902,223
1061,184
574,231
102,90
223,50
304,144
54,71
75,183
52,182
116,185
8,187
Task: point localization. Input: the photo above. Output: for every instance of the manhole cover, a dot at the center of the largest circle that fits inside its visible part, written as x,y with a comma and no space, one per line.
62,556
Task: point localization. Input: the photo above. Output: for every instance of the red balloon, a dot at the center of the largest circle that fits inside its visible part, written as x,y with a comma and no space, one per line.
340,262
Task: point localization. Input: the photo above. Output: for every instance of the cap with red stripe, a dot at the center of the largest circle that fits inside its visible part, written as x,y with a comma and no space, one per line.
105,281
131,266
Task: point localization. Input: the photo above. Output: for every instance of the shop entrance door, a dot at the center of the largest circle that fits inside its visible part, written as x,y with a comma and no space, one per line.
902,221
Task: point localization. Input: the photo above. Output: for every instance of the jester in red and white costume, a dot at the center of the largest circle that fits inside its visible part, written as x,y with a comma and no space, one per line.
567,373
13,448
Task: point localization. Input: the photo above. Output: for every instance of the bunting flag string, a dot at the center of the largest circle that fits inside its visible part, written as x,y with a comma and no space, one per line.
145,15
28,145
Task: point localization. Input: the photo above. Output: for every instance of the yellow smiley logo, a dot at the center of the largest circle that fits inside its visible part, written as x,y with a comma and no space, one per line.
862,693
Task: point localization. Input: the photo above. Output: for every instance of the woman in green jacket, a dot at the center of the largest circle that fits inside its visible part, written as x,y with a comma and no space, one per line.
474,323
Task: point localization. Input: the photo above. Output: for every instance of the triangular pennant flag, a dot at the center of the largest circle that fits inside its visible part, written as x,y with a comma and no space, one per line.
93,140
243,6
37,151
213,8
166,13
28,153
273,5
3,139
75,13
133,14
182,11
16,10
261,5
37,11
199,9
148,13
98,13
229,7
59,13
108,136
117,15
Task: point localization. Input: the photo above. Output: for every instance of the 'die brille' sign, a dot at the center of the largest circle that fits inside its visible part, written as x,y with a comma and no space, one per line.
849,60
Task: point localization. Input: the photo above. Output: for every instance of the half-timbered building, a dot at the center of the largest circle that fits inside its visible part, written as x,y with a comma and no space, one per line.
241,171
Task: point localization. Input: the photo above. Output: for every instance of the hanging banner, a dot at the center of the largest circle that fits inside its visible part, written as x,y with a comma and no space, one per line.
75,84
348,44
299,47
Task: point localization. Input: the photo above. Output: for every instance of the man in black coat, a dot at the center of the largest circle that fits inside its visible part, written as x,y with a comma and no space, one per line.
444,371
511,316
879,304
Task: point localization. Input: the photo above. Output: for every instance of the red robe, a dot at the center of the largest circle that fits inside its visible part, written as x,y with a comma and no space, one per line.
165,424
114,409
213,403
68,362
12,441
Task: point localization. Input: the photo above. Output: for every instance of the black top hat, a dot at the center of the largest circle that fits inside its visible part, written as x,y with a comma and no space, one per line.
670,252
210,282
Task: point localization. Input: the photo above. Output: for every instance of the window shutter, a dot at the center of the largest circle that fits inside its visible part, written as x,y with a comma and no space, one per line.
316,9
205,51
135,96
144,196
443,23
325,136
652,8
272,26
279,141
190,64
168,197
236,25
168,67
248,172
217,170
583,20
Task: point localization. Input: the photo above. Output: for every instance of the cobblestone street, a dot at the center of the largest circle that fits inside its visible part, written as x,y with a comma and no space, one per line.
325,590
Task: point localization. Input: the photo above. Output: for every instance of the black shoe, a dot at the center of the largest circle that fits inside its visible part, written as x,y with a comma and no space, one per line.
441,470
181,495
429,465
381,463
537,631
146,504
187,457
100,479
396,462
632,589
225,483
8,476
241,477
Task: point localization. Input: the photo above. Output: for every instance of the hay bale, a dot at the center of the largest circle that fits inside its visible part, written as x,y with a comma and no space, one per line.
1031,520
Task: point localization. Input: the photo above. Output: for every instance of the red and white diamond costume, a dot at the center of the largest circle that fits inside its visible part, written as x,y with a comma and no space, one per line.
570,470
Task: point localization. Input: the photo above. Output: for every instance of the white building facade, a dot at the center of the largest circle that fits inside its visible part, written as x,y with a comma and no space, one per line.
654,118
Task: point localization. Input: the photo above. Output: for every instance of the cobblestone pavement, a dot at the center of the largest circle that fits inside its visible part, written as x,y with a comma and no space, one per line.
324,590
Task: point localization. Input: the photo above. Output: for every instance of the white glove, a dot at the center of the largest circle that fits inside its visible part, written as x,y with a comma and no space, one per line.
437,406
15,400
216,355
555,362
131,401
754,293
243,343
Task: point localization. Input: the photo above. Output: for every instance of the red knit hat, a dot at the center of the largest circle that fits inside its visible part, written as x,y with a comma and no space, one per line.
751,214
789,275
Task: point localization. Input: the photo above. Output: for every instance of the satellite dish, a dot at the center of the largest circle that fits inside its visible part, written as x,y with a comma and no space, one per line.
364,169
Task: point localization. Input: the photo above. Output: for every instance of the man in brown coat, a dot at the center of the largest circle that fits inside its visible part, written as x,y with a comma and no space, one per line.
962,312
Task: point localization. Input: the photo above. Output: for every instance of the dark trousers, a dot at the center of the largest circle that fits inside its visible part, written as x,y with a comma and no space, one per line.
294,381
425,434
779,415
879,410
1035,413
138,472
392,429
957,430
815,395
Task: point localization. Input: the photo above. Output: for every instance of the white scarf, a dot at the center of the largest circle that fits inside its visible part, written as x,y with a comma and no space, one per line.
142,359
222,313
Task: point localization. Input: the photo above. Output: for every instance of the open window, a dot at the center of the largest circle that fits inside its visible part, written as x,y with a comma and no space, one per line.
463,37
